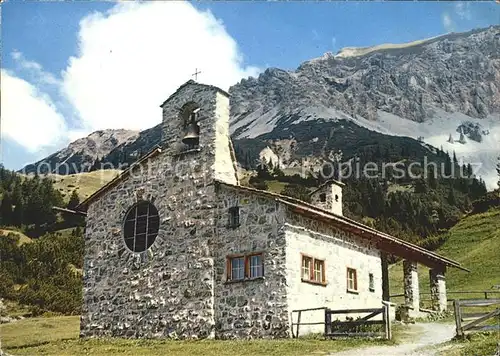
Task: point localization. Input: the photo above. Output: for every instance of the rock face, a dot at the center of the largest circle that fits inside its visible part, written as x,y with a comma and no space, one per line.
426,91
81,154
454,72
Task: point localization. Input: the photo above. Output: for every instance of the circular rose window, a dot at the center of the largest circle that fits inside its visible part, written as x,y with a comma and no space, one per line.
141,226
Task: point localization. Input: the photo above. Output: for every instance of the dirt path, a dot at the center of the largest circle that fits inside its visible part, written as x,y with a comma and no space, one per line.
418,341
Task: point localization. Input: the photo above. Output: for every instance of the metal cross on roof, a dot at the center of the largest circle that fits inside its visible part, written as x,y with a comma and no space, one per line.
195,74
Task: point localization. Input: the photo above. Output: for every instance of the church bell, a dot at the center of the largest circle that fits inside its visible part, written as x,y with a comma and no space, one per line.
192,136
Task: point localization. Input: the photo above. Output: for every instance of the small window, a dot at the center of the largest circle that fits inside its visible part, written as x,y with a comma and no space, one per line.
336,197
313,270
234,217
371,284
245,267
322,197
352,280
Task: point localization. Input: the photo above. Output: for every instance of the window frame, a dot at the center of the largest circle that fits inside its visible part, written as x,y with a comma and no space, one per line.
247,267
233,223
312,270
355,280
371,282
148,236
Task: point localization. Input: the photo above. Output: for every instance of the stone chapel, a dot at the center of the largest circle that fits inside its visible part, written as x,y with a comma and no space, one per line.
176,247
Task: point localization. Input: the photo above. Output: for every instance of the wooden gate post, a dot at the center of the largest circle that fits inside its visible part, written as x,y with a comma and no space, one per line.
386,316
328,322
458,317
298,322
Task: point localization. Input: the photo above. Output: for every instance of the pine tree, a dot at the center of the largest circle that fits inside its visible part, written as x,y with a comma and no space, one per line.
74,200
432,178
452,200
6,210
421,186
18,214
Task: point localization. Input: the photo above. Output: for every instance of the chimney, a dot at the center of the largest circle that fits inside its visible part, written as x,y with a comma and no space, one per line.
329,197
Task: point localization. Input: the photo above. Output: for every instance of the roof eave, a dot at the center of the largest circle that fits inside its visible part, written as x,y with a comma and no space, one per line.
342,220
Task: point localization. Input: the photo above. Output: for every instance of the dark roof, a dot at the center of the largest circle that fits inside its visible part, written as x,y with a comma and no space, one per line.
189,82
385,241
84,204
328,182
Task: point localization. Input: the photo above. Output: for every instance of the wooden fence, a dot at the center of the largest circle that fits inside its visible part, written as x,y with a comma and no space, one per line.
299,318
475,319
487,294
361,327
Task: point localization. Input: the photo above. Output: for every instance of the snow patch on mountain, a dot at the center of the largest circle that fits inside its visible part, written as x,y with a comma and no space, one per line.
435,131
257,123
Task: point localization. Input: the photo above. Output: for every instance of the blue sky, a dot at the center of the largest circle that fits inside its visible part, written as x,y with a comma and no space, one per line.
69,68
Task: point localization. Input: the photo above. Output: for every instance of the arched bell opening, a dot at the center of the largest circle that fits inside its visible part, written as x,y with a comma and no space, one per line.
190,116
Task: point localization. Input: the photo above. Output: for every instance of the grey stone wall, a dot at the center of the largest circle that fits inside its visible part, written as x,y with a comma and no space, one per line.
258,307
213,122
316,198
411,285
437,283
166,291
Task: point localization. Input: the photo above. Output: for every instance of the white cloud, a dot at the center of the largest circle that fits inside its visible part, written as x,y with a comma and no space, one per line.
130,60
34,69
462,9
448,22
29,117
134,56
334,42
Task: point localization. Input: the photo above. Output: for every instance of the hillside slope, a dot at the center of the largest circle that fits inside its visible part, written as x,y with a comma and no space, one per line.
475,243
85,183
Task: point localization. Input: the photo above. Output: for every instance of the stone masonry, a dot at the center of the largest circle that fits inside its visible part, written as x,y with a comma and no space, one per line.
411,288
179,287
168,290
256,307
438,289
329,197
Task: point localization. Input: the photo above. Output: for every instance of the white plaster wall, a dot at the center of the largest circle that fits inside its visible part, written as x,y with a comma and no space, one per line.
223,168
339,252
336,204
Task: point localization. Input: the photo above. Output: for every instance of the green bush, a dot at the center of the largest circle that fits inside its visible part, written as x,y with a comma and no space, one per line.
45,270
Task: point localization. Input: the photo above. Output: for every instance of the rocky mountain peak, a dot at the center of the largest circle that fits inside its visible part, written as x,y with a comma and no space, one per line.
100,143
83,152
454,72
